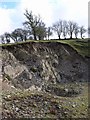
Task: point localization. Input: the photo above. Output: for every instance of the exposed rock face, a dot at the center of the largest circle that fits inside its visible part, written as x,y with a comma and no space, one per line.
42,63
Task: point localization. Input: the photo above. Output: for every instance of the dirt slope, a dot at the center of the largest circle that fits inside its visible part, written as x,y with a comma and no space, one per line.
40,63
43,80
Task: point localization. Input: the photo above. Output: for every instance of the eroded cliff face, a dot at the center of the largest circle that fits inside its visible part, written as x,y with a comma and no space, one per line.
39,64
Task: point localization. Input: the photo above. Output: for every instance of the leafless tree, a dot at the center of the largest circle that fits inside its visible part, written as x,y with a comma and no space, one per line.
71,28
57,27
76,30
82,31
65,29
49,32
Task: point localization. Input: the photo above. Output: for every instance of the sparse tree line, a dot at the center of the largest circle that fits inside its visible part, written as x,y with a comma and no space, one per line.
35,29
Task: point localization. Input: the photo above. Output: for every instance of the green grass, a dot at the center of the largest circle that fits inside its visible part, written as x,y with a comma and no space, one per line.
81,46
28,41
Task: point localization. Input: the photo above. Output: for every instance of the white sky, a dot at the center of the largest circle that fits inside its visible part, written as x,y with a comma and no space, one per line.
49,10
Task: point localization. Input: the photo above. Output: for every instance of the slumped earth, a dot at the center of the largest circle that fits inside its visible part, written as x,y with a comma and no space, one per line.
44,80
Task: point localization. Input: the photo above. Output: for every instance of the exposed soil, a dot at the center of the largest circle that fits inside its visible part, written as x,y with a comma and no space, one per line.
43,80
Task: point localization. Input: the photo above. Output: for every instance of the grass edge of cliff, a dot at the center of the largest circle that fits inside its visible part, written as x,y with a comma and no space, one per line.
82,46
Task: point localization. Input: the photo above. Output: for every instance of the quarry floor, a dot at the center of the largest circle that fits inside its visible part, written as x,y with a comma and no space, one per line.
27,103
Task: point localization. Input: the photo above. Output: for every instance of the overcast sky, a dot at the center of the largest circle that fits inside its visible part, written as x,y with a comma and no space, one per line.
11,12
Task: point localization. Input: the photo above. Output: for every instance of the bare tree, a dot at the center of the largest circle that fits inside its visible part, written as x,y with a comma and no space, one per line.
82,31
71,28
76,30
49,32
57,27
65,29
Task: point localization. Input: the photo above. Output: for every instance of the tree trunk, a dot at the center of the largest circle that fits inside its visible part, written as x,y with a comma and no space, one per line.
48,37
34,34
59,37
71,36
65,38
76,37
25,38
39,37
35,37
81,36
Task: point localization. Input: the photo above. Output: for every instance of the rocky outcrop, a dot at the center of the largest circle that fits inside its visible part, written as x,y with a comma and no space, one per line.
39,64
